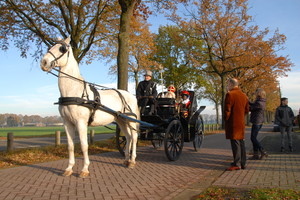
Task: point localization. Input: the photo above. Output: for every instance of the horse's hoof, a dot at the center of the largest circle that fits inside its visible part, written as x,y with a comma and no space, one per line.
131,165
84,174
126,163
67,173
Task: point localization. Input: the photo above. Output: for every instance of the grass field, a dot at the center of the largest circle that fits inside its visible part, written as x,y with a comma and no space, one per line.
46,131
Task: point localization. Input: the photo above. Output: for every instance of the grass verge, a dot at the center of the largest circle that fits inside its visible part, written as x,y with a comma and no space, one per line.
29,156
217,193
47,131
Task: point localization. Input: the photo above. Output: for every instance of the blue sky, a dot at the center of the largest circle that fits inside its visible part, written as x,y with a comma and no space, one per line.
26,89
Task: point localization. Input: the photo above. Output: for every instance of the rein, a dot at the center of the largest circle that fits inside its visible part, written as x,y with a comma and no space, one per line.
127,107
78,79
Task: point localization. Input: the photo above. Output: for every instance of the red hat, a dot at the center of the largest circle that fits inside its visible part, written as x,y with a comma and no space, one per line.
184,92
171,88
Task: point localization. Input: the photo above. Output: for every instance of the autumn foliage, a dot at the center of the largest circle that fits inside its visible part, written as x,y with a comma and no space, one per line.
209,41
232,47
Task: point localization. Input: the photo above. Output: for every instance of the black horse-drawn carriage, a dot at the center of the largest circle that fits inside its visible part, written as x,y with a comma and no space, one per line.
169,128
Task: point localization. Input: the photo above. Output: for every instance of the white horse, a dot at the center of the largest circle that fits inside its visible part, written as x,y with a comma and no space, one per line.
76,117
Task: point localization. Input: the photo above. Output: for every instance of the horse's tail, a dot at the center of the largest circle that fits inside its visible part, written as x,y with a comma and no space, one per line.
138,116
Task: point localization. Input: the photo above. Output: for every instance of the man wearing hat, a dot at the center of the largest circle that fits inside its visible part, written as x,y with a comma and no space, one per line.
146,93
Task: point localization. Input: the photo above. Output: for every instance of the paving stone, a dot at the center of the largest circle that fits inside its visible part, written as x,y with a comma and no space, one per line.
154,177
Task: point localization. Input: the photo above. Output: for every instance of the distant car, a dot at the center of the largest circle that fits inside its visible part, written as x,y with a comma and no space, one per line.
276,128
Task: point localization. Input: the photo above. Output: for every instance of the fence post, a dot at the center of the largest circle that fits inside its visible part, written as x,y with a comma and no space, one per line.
92,135
10,142
57,138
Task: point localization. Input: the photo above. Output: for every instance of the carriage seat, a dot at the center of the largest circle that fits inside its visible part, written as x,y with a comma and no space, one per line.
166,107
165,102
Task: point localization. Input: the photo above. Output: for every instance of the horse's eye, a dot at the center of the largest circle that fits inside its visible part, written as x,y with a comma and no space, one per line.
63,49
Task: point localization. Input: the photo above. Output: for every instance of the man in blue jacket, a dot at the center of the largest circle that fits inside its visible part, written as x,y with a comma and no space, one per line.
284,117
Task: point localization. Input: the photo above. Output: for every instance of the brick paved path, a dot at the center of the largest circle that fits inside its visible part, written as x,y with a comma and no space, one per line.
278,170
153,178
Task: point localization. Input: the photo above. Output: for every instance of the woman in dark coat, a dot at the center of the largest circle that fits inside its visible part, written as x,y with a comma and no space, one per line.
257,119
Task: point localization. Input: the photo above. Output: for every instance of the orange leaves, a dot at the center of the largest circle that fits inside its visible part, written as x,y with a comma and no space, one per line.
233,47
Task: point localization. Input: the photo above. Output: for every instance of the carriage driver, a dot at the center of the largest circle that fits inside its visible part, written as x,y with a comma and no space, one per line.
146,94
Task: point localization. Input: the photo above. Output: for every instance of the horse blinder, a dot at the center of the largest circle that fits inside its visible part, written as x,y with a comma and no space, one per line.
63,49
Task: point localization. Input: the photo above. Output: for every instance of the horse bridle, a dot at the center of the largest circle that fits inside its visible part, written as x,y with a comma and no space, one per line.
64,48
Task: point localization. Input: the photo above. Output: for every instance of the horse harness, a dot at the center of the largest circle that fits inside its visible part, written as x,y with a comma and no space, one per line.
95,104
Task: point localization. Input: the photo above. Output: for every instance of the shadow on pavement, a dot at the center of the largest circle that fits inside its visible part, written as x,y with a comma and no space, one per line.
272,144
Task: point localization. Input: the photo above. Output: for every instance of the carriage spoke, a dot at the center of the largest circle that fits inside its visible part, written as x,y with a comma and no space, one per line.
199,134
177,145
174,140
174,152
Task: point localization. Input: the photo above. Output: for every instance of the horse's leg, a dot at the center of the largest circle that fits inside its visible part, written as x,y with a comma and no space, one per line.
82,131
122,126
70,132
134,137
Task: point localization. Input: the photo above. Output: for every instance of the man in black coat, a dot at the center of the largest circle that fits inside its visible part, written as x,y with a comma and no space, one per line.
284,117
146,93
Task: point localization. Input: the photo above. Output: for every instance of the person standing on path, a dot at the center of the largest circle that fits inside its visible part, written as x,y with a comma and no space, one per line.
257,119
284,117
235,109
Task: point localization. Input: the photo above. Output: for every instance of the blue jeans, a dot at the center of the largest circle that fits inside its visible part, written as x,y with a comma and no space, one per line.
254,132
288,130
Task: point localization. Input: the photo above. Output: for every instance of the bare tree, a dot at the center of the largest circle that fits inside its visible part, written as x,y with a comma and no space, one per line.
91,24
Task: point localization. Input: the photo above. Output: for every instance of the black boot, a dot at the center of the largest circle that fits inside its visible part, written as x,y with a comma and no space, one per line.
282,149
255,156
263,154
291,149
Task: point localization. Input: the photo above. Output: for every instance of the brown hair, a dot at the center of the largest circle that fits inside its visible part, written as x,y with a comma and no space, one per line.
261,93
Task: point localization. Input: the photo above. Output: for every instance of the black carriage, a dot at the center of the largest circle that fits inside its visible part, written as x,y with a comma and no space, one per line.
169,128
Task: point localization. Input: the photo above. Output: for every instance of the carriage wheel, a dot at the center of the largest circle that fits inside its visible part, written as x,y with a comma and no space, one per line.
174,140
157,143
199,134
120,141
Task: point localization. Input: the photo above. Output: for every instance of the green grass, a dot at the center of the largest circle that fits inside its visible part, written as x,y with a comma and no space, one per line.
46,131
216,193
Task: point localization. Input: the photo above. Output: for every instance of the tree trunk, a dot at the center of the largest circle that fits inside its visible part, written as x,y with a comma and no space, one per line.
136,78
217,113
127,7
223,82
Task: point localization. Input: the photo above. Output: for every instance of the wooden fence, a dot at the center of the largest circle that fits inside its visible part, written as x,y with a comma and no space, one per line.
10,139
269,117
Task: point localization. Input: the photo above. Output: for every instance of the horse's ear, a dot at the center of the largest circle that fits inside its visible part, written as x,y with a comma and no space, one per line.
68,39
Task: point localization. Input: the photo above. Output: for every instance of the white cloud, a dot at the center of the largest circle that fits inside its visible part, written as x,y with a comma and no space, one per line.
290,87
38,102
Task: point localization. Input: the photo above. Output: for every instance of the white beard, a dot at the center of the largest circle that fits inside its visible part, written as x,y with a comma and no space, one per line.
185,101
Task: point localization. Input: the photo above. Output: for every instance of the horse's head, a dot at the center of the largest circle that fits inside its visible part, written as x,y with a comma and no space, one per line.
57,56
